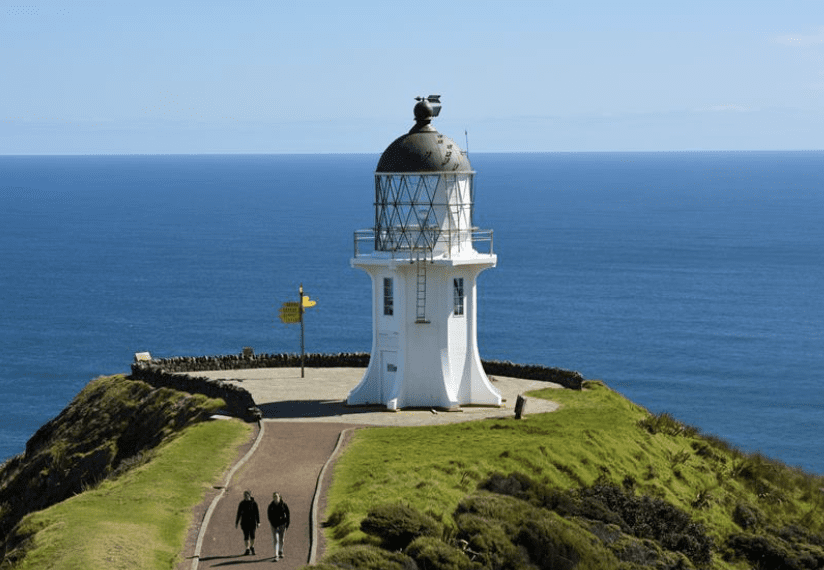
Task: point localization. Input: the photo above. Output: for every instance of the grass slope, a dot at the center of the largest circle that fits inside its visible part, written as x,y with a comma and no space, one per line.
597,436
138,520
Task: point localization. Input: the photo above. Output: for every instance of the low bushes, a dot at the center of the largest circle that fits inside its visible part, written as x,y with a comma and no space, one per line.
366,557
431,553
397,525
652,518
513,530
666,424
641,517
774,552
517,523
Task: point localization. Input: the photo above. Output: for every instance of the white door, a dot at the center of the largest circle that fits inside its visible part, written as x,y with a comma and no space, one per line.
389,366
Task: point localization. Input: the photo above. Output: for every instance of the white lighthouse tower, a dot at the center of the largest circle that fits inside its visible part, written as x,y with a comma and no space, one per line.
421,256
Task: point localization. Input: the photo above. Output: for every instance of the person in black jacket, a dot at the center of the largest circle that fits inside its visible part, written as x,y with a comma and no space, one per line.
249,518
278,514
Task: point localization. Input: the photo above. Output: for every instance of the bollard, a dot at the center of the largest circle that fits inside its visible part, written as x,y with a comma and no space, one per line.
520,406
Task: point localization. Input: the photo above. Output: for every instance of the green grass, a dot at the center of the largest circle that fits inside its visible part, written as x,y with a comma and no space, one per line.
596,435
140,519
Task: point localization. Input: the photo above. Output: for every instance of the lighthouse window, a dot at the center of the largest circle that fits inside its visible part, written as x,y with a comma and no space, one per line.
458,295
388,297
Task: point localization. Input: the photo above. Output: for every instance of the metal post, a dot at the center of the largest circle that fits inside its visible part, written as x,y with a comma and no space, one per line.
300,309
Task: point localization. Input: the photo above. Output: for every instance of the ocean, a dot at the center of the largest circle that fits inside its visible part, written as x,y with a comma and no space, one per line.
691,282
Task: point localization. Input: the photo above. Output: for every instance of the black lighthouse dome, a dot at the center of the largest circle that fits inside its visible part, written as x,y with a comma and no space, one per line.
423,149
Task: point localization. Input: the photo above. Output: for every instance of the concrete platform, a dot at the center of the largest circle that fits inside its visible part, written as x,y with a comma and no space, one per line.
282,395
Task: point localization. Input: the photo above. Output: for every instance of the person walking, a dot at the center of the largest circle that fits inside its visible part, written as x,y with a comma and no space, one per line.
278,514
249,518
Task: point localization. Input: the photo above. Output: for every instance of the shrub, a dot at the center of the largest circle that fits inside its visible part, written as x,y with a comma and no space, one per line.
643,517
397,525
757,468
649,517
666,424
364,557
629,484
339,524
603,503
334,519
747,516
514,485
546,546
797,534
432,554
506,532
522,487
639,553
488,538
772,553
707,449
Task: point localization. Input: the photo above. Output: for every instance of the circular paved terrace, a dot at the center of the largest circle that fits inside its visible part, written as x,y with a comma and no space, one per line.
282,395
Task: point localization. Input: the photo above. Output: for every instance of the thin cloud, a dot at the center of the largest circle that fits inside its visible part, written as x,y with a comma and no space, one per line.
728,108
801,40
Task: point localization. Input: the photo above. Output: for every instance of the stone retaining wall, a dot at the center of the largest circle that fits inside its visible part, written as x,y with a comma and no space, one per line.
174,373
239,401
241,361
566,378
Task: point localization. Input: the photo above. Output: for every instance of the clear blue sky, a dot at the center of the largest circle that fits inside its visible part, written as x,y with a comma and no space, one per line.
81,76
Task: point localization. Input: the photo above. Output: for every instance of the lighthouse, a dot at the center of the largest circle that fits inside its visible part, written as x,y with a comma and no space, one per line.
423,256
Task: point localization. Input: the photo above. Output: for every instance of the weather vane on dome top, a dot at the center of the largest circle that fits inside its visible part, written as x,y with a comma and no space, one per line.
431,103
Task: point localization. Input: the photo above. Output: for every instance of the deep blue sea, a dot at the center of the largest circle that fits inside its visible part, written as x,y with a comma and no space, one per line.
691,282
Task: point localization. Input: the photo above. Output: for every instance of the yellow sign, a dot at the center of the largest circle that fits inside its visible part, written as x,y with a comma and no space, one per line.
290,313
290,319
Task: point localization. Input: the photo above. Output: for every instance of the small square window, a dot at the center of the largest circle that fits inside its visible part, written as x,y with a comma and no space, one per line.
458,295
388,297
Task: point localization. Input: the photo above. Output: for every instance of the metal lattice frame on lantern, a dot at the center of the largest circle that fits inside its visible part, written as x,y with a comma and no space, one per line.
423,212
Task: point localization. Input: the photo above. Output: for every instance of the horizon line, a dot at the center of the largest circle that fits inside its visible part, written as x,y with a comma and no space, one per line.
261,153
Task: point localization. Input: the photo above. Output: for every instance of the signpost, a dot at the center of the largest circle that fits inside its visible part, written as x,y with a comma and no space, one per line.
291,312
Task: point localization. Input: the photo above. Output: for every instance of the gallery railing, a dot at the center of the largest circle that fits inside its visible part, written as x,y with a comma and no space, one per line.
406,244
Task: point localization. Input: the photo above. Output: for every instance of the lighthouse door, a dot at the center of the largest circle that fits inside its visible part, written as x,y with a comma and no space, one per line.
388,369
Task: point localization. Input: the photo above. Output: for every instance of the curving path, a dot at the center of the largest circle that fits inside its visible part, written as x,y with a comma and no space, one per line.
288,460
304,419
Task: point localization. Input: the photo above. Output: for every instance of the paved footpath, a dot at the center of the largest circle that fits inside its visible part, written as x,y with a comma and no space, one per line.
304,419
288,460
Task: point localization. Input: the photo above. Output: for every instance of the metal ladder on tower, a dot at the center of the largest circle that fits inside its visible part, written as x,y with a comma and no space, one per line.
420,302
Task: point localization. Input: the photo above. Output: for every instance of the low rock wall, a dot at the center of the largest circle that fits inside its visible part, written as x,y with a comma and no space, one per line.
241,361
566,378
239,401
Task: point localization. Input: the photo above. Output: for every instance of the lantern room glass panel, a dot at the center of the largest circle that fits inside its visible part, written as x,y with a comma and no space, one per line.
423,212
